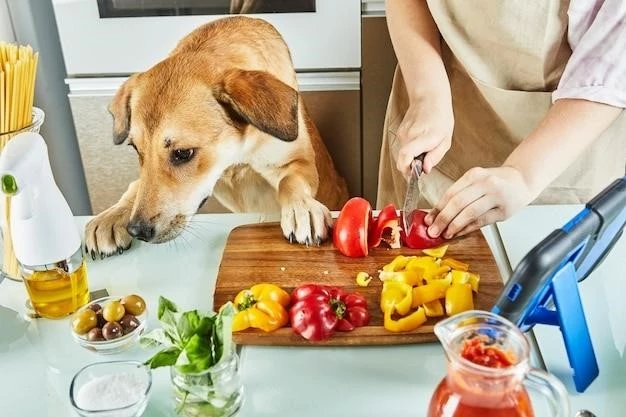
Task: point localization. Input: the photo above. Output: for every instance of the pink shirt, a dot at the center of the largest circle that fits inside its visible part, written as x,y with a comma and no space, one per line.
596,70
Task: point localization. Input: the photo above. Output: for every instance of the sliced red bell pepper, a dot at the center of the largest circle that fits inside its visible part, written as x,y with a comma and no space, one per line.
385,228
415,234
351,228
319,310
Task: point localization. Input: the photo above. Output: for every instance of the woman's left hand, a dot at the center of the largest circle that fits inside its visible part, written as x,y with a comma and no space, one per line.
481,196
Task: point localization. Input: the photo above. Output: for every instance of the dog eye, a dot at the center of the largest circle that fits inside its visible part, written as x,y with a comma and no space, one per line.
180,156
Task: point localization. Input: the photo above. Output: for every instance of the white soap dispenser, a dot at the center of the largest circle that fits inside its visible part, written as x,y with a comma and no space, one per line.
45,238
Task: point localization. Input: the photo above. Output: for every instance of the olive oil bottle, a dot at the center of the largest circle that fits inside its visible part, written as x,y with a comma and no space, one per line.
57,290
43,232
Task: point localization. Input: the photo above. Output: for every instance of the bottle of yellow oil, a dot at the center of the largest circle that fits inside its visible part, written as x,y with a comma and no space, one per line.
45,237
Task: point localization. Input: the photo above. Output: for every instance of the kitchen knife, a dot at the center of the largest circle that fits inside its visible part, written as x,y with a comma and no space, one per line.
413,189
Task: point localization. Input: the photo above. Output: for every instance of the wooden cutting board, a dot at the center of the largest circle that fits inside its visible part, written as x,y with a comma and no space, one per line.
259,253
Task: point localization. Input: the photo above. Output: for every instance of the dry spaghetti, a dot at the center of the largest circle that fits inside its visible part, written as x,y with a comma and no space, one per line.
18,68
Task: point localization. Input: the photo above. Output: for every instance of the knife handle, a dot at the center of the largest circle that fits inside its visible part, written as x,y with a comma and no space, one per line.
417,166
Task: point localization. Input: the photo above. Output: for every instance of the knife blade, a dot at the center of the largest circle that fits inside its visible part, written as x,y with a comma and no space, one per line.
412,191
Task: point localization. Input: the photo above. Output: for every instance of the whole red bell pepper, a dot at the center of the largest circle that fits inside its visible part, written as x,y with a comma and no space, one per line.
318,311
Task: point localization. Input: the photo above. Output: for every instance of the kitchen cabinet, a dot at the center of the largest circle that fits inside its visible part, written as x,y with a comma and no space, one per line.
378,62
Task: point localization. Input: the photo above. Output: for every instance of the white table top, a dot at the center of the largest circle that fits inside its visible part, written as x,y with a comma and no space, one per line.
38,358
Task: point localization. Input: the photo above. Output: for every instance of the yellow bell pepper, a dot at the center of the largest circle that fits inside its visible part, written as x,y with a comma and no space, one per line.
405,324
437,273
433,309
398,263
363,279
454,264
428,293
437,252
263,306
474,279
408,276
460,277
459,298
396,296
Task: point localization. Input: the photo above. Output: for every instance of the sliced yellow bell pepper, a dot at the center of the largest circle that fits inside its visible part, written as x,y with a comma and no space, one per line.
433,309
454,264
363,279
447,279
474,280
398,263
429,292
460,277
405,324
263,306
408,276
396,296
437,273
459,298
437,252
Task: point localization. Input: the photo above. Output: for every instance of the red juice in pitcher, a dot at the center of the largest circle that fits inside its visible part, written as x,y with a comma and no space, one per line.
488,367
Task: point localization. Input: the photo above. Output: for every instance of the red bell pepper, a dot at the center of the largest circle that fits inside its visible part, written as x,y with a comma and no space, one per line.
318,311
415,234
385,228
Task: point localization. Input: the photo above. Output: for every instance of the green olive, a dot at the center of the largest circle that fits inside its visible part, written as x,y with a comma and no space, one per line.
134,304
84,321
113,311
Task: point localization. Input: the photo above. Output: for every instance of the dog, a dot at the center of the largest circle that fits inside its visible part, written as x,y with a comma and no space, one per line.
220,116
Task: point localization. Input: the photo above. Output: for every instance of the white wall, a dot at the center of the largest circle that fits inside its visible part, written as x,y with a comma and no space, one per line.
6,30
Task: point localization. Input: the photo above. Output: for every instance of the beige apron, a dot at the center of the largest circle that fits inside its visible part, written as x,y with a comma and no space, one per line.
503,58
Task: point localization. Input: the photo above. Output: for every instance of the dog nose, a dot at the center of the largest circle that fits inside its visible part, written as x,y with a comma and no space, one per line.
141,230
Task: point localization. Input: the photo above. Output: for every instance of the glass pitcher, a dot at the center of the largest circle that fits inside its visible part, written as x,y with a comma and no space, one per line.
488,368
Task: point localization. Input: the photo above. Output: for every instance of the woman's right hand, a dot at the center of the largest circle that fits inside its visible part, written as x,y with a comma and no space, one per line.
426,127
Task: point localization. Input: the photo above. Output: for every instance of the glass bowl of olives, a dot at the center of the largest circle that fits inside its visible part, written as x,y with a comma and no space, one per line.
110,324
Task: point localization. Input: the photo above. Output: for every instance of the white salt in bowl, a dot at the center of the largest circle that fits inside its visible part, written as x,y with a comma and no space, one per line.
111,389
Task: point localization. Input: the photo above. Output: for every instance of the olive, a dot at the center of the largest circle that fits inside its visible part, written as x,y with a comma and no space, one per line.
134,304
129,323
95,335
101,320
112,330
84,321
113,311
95,307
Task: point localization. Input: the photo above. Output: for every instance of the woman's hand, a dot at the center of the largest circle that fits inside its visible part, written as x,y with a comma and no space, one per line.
426,127
481,196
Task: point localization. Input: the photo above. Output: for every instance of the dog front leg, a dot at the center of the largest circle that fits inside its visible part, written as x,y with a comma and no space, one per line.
303,219
106,234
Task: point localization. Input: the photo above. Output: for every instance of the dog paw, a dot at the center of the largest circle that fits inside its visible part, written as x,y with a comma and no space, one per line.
306,221
106,234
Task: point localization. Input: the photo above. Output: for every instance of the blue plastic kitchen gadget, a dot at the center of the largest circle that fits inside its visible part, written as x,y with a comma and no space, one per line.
544,287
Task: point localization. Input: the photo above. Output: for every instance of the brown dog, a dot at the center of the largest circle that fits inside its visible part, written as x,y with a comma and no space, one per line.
221,116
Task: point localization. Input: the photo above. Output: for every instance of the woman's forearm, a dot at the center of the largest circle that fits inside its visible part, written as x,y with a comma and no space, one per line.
567,129
417,45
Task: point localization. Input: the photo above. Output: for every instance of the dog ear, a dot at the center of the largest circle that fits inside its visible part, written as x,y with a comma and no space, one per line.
260,99
120,110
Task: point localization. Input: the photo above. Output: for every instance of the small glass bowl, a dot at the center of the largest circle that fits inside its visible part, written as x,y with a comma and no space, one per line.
83,384
107,347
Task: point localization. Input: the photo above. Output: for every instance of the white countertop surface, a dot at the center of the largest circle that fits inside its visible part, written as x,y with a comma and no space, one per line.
38,357
603,295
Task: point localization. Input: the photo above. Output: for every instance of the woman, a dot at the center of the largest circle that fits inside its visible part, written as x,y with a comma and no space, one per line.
513,102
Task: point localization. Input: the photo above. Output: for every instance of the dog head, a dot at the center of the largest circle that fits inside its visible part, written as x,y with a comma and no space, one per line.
187,128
